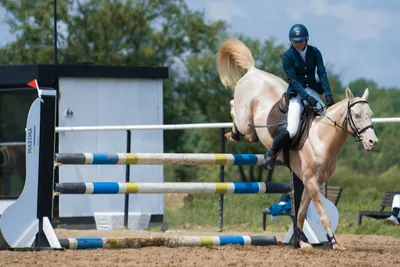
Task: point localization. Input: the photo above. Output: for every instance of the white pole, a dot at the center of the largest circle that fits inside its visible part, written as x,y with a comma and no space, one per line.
177,126
385,120
145,127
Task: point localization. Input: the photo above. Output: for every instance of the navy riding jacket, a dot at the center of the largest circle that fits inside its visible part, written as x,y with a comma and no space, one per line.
301,74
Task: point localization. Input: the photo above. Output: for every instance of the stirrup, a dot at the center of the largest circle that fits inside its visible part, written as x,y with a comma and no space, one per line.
331,244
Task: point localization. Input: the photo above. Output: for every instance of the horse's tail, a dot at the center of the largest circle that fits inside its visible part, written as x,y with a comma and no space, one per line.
233,57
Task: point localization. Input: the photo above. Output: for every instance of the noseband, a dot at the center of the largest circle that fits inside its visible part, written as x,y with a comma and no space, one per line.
350,121
356,132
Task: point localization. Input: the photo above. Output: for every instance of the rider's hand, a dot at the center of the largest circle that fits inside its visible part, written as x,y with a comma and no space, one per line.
311,101
329,100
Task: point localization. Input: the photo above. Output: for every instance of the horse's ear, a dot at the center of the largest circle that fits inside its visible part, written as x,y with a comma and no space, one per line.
365,95
348,93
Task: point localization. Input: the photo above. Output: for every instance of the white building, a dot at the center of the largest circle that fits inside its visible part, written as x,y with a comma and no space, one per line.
90,95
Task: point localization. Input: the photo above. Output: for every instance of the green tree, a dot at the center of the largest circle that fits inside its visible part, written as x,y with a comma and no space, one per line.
144,32
384,103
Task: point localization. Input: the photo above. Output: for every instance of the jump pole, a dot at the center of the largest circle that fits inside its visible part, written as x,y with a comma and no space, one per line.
158,159
140,242
162,188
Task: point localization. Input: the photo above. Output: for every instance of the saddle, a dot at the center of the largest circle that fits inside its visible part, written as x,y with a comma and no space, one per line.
277,122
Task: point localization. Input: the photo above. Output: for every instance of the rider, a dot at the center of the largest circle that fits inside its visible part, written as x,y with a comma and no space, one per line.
299,63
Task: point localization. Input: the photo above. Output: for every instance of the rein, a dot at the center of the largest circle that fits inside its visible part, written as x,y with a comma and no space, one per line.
347,121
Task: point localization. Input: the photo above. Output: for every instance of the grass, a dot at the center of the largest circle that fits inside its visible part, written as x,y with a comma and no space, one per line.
244,212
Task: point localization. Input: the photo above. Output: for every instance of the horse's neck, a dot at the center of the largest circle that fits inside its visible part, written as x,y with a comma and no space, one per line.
333,136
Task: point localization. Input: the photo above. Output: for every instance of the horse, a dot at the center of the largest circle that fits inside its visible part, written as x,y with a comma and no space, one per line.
257,91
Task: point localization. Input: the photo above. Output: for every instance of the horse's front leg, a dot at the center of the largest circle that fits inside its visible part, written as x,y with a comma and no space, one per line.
314,191
233,135
301,216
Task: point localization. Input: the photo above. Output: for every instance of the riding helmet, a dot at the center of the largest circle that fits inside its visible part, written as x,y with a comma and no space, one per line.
298,32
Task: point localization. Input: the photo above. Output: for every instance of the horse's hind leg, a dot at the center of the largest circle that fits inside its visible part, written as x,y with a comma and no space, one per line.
301,215
315,194
252,137
245,121
233,135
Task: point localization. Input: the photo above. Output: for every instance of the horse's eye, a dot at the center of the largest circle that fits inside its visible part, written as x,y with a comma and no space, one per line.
358,116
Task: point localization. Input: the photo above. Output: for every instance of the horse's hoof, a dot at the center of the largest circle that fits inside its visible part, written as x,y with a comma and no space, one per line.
305,245
333,243
248,137
338,247
269,160
229,137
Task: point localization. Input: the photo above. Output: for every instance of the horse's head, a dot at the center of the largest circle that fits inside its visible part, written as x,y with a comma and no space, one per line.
359,116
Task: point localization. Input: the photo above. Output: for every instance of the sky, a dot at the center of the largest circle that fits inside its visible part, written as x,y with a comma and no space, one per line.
357,38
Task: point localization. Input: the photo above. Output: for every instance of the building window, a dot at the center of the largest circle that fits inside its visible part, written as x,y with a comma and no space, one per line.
14,108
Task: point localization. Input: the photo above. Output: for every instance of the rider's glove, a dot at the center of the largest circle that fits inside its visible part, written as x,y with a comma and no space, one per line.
329,100
311,101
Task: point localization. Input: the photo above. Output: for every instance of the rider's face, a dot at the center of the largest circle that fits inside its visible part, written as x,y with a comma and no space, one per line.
299,45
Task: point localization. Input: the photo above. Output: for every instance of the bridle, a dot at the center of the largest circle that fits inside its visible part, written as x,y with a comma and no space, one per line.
348,121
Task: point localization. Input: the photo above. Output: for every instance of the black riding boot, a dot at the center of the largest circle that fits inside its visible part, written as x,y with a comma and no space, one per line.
280,141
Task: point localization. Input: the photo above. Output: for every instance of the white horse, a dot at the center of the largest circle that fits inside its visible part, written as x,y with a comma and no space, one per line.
255,93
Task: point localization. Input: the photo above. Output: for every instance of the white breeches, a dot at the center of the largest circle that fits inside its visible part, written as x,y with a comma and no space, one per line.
296,109
396,203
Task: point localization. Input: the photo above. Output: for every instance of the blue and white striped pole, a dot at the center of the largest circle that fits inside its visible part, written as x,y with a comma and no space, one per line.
160,188
158,159
118,243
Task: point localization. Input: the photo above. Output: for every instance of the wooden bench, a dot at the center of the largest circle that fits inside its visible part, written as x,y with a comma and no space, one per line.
333,194
381,214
